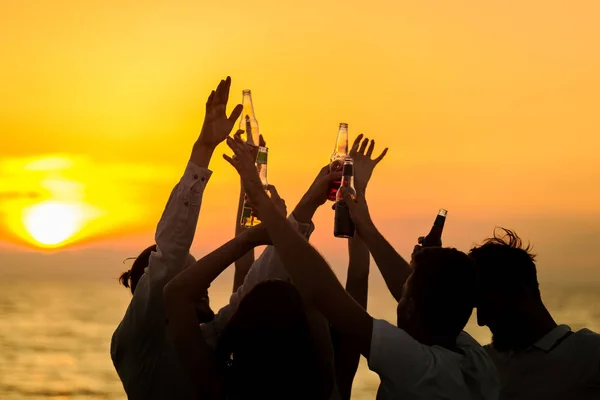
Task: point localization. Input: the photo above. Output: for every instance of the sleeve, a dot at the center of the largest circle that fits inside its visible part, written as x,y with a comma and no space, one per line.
466,340
396,357
174,236
267,267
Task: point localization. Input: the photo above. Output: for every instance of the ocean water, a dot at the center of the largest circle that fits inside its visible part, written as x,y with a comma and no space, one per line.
55,334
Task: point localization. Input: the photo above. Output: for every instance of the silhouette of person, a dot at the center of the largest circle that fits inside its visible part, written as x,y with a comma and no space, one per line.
536,358
141,348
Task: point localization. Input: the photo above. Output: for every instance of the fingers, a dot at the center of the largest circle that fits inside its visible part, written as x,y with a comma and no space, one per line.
356,143
230,160
335,176
363,146
210,100
274,193
235,114
220,96
370,149
261,141
226,89
347,198
383,153
238,133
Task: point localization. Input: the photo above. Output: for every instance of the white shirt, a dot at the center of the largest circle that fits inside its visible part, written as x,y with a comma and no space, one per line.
267,267
411,370
141,348
561,365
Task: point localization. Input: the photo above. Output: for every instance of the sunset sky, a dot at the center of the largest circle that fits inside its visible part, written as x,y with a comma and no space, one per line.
490,110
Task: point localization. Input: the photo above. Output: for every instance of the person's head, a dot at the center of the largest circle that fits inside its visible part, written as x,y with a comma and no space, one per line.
267,351
130,278
439,295
508,286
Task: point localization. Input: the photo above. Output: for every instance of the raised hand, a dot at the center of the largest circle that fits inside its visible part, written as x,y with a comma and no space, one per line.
316,195
359,211
363,163
243,161
217,125
319,189
276,199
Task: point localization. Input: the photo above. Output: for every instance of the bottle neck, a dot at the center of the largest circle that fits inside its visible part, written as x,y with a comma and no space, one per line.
347,181
248,121
341,144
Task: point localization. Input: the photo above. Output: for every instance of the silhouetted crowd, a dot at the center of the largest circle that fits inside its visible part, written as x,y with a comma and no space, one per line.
292,331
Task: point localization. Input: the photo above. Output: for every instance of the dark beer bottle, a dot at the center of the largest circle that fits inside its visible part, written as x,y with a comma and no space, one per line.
337,158
343,226
434,237
249,217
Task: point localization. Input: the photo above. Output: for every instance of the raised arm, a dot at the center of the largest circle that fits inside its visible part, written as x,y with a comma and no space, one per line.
347,355
307,268
186,293
269,265
394,269
244,263
176,228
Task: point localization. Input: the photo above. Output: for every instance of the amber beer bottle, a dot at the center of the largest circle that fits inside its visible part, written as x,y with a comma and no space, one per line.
434,237
249,217
343,226
248,121
337,158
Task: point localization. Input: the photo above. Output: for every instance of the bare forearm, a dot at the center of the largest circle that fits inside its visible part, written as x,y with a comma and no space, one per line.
242,266
394,269
305,210
357,281
307,268
191,283
347,354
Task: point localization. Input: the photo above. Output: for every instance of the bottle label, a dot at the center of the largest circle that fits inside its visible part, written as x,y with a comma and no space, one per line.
261,157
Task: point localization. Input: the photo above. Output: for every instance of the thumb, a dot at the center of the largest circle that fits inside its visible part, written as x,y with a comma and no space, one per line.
347,198
274,194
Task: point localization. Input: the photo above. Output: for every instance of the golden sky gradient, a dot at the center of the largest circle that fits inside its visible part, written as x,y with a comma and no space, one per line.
490,109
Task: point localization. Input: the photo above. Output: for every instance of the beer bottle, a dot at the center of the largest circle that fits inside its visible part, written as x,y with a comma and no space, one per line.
434,237
337,158
343,226
248,121
249,217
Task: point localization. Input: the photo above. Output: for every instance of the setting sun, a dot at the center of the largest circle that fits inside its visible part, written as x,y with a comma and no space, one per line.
52,223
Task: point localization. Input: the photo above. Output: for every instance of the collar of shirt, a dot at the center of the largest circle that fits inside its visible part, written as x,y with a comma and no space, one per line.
551,339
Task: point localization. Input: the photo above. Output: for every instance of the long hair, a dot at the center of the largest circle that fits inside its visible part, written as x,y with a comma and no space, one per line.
130,278
267,351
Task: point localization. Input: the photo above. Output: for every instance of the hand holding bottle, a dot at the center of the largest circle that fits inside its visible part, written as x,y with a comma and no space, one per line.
359,211
363,163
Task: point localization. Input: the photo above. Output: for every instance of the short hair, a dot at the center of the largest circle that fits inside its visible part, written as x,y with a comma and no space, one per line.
503,261
267,349
130,278
443,287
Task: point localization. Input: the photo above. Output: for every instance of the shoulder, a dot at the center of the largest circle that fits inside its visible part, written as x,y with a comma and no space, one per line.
394,351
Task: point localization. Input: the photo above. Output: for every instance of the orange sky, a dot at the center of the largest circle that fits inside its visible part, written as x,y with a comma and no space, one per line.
489,110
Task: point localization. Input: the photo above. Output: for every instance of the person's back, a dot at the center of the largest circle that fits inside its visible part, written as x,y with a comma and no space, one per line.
535,357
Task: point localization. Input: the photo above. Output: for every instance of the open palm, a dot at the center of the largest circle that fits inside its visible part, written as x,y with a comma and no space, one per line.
217,125
363,163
